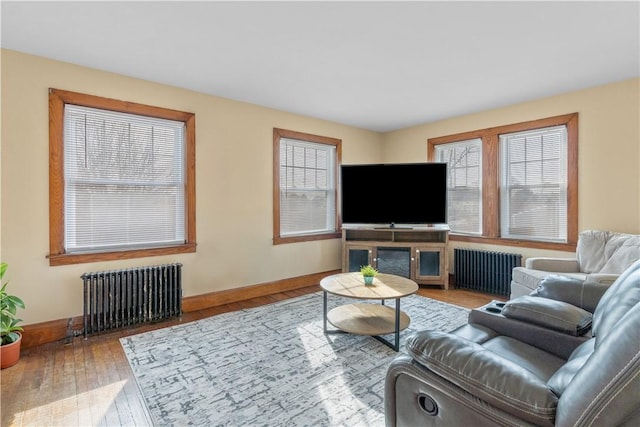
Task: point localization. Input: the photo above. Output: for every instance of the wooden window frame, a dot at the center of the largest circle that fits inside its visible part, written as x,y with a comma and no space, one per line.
284,133
466,143
57,253
491,180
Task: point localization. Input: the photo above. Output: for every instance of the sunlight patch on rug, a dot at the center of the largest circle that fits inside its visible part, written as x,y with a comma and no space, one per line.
272,365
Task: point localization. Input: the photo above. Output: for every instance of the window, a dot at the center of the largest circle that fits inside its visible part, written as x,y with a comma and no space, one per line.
527,183
534,184
464,184
305,186
121,179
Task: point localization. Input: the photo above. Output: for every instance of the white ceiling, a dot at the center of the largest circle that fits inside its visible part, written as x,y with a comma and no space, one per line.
375,65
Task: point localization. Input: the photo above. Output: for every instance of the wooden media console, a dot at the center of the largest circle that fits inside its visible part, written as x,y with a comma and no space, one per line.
419,253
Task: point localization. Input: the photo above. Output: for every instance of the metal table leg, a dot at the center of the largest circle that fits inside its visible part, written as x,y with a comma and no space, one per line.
396,344
324,317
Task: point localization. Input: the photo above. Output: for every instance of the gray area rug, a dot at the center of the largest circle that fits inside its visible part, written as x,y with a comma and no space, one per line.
272,366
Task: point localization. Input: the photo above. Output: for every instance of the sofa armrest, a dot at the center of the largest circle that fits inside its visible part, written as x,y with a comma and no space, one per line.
601,278
549,340
558,265
416,396
582,293
549,313
492,378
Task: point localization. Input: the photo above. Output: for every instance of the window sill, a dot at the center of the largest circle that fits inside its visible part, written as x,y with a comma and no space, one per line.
66,259
533,244
278,240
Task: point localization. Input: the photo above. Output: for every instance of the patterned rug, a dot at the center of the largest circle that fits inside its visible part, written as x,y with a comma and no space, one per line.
272,366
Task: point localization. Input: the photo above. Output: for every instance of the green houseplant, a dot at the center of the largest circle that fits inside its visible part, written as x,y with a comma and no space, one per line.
9,323
368,273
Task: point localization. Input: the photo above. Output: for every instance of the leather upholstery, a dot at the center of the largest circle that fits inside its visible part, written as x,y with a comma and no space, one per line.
480,375
563,288
617,303
549,340
551,314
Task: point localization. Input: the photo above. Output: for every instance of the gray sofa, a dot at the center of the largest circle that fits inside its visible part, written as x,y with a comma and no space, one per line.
531,361
600,258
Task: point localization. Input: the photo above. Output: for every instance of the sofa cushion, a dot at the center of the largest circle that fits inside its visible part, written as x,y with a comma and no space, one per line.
605,391
606,251
475,333
617,301
590,250
621,251
539,362
563,376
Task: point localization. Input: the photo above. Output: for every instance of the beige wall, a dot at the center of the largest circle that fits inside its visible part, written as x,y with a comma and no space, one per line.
234,176
608,158
233,186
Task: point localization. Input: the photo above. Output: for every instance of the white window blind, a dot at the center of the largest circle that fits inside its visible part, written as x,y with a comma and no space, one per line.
124,181
464,184
307,187
534,184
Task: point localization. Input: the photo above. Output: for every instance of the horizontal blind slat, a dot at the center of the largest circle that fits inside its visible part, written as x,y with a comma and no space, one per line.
534,184
464,184
307,187
124,180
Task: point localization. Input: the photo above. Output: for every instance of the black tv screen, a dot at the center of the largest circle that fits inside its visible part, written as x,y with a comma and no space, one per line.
394,194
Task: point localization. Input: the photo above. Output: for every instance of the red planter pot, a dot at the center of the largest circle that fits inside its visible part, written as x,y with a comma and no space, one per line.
10,353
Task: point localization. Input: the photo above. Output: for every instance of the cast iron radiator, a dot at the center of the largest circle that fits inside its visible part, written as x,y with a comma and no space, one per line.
118,298
484,271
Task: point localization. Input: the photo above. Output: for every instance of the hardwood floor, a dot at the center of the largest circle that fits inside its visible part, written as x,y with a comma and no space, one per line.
89,382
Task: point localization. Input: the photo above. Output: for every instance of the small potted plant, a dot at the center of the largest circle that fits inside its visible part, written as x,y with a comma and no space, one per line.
9,328
368,272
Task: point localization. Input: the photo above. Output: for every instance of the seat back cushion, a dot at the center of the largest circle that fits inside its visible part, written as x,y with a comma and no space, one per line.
621,251
563,376
590,250
606,388
617,301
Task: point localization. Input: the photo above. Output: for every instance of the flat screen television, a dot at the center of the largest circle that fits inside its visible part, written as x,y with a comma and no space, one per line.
390,195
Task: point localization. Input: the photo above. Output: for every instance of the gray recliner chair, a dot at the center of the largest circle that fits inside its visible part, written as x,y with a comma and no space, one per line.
531,361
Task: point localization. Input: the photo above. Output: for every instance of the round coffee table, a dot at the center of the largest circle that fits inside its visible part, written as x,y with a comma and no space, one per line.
368,319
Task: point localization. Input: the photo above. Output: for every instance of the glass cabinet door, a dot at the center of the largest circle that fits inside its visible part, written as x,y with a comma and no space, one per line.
394,260
357,256
429,263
